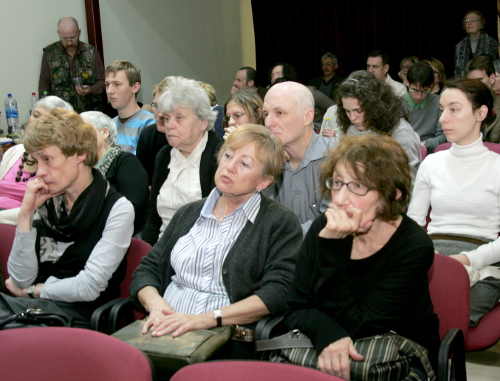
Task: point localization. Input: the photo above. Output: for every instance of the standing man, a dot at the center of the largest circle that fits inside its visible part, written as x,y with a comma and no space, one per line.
123,82
70,58
378,64
329,82
481,67
246,79
289,113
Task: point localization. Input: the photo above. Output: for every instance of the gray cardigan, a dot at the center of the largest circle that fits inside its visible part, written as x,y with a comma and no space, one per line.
261,261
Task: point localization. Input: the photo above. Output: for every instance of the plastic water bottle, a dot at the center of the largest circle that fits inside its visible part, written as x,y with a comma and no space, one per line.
11,113
33,100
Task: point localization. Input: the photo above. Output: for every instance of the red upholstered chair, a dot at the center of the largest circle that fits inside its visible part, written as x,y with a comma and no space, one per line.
423,152
495,147
138,249
7,233
250,371
486,333
57,353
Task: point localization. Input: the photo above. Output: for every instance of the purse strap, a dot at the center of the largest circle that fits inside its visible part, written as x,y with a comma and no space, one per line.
283,342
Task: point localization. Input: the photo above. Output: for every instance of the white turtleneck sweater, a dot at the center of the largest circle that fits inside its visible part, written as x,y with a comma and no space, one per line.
462,185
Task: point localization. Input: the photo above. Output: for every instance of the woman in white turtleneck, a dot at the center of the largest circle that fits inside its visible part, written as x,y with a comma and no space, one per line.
462,186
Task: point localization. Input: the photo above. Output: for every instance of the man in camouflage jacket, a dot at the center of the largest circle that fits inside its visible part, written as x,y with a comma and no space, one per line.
70,58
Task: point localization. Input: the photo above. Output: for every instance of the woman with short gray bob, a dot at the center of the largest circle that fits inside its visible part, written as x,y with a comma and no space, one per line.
123,170
185,168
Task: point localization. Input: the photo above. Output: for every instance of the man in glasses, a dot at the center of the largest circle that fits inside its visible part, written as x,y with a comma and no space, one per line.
424,106
328,82
72,70
483,69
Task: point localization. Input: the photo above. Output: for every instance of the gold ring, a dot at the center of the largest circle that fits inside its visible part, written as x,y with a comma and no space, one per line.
37,180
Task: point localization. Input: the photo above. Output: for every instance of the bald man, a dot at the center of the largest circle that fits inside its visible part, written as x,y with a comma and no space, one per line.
289,114
70,58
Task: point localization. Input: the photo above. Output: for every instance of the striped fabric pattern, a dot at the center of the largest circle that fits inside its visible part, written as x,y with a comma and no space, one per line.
198,257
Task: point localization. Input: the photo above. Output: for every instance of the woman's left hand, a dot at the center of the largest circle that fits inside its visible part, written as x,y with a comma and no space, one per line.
178,323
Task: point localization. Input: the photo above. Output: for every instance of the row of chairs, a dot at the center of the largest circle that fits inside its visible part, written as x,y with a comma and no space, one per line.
495,147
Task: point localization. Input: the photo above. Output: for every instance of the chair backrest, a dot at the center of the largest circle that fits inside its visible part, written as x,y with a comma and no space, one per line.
495,147
250,371
137,250
58,353
7,233
423,152
449,286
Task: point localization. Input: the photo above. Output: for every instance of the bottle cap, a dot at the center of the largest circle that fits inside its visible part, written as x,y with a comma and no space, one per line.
9,95
33,94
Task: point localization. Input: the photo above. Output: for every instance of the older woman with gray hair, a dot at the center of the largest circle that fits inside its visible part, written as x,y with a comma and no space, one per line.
18,167
123,170
185,168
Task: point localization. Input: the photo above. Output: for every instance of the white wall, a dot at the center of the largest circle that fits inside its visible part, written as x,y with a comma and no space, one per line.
27,27
199,39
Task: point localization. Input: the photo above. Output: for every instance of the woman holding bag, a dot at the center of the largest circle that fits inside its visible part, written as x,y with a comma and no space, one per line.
362,270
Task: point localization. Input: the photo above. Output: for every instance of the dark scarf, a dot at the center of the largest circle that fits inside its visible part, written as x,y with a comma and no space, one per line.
56,223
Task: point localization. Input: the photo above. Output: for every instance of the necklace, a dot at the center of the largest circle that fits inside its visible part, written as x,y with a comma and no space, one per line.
221,212
24,160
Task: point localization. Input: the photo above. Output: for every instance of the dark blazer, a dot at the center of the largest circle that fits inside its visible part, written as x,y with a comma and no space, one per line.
208,167
336,81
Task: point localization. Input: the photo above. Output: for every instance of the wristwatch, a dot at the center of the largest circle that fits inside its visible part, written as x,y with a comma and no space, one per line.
218,317
31,290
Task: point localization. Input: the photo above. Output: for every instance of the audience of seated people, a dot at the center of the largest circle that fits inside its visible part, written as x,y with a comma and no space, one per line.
123,83
423,106
18,167
278,191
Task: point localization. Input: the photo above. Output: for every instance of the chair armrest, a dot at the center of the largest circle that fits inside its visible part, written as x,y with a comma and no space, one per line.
100,313
118,310
266,325
452,348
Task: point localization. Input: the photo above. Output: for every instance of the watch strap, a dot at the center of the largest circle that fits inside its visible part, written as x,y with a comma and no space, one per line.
218,317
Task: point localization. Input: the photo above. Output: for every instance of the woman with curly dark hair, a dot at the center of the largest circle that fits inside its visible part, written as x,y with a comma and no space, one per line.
366,105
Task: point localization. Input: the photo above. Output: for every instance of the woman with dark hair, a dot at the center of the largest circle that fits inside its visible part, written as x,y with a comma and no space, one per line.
366,105
74,229
362,270
477,42
462,188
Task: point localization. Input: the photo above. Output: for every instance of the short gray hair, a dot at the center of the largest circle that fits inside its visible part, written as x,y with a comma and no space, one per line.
51,102
187,93
100,120
329,55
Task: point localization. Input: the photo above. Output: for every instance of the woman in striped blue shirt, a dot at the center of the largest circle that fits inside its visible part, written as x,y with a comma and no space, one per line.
229,258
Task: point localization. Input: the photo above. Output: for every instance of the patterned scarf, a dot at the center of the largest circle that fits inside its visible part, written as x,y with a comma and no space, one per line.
108,159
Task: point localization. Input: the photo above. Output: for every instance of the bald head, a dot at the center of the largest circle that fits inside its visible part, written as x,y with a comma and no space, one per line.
289,113
67,24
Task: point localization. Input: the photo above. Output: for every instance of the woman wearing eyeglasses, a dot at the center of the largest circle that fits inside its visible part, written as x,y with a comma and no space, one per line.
439,75
242,107
185,168
477,42
367,105
362,269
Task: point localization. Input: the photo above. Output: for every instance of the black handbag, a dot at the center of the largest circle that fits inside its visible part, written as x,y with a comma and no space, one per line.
387,357
24,312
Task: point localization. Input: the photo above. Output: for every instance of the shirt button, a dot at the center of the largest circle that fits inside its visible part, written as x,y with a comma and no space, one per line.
225,272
